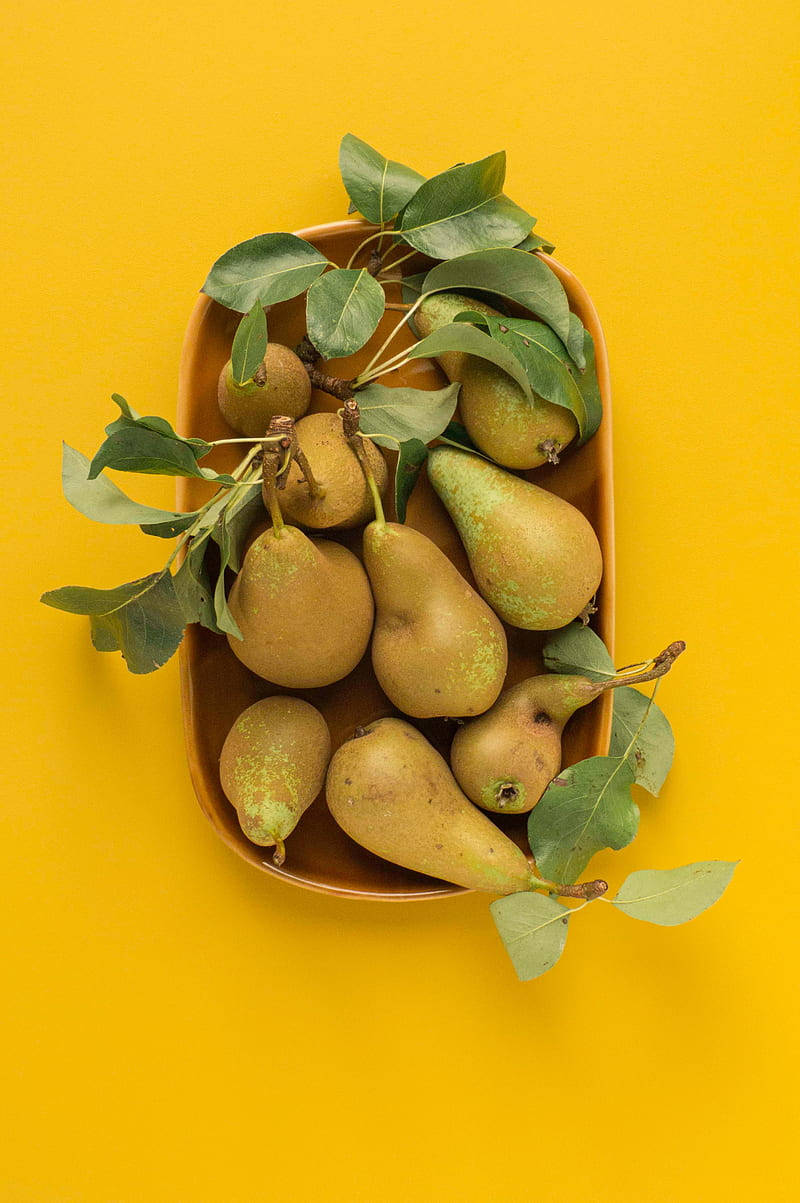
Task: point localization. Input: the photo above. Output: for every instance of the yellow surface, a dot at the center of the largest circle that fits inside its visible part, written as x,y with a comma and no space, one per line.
180,1028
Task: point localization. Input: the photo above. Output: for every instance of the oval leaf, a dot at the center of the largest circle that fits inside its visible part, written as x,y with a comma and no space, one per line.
142,619
391,416
461,336
343,308
654,744
249,344
576,649
101,500
406,474
533,928
377,186
138,449
508,273
586,808
672,896
534,243
464,209
268,268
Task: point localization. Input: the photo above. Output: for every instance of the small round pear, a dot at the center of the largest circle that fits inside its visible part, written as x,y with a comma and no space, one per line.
272,767
279,386
345,499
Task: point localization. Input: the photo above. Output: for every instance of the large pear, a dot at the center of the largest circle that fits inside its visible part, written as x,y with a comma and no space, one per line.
304,608
511,428
394,794
535,558
437,648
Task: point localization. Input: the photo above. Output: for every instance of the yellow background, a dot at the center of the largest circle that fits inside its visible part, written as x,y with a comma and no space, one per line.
181,1028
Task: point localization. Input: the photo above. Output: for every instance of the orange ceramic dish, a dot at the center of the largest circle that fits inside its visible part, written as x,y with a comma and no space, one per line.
216,687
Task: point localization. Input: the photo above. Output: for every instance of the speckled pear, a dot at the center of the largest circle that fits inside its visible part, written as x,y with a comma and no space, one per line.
394,794
501,421
505,759
304,608
535,558
437,648
345,499
273,766
279,386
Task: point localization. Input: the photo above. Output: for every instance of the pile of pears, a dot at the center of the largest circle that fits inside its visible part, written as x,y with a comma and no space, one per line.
308,608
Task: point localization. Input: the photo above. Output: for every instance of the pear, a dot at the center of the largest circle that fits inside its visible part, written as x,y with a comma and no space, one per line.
304,609
394,794
505,759
437,648
501,421
273,766
535,558
345,498
279,386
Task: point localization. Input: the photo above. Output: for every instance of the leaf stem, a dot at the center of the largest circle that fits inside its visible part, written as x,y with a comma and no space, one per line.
371,238
403,258
376,357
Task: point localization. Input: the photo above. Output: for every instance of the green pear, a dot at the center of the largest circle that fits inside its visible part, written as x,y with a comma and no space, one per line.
304,609
394,794
345,499
535,558
273,766
279,386
501,421
505,759
437,648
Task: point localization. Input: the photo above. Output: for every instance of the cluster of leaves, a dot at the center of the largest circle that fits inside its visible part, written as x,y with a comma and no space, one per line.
588,807
482,241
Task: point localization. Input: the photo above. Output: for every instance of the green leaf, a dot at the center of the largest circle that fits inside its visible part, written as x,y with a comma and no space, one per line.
101,500
268,268
587,807
411,288
576,649
587,380
464,209
377,186
194,590
508,273
575,342
461,336
672,896
130,418
249,344
391,416
653,750
533,928
225,619
343,308
455,435
409,465
139,449
534,243
241,514
543,356
142,619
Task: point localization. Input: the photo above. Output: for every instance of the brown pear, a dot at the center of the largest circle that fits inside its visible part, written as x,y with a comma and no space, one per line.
342,498
279,386
501,420
437,648
304,609
394,794
505,759
273,766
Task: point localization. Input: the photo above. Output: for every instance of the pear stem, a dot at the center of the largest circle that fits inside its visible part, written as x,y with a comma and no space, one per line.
589,890
351,417
270,490
656,668
279,855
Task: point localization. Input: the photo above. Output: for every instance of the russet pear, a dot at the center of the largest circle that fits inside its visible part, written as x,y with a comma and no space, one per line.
437,648
345,499
500,419
535,558
272,767
392,792
279,386
505,759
